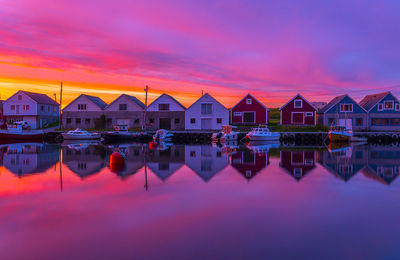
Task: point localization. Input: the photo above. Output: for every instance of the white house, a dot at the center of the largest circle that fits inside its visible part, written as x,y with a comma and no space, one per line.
38,110
84,112
206,114
166,113
125,110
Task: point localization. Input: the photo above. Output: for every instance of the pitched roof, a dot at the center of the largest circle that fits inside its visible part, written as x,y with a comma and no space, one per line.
98,101
248,94
298,95
332,103
206,94
171,97
369,101
132,98
40,98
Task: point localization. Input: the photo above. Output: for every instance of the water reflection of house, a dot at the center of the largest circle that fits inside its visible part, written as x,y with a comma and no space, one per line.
134,158
30,158
383,164
345,162
298,163
84,160
165,162
205,160
249,162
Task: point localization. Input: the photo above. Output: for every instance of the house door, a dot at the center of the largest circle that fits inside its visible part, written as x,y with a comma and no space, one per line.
123,122
165,123
206,123
348,123
248,117
298,118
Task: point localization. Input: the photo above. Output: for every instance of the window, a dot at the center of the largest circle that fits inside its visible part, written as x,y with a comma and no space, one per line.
19,97
308,162
219,120
87,121
12,107
206,109
54,109
192,153
298,103
41,108
237,113
388,105
26,107
81,106
151,120
397,107
77,121
68,120
359,121
48,108
123,107
346,107
298,172
309,113
385,121
249,117
177,120
331,121
109,121
163,107
193,120
380,107
137,121
219,154
248,101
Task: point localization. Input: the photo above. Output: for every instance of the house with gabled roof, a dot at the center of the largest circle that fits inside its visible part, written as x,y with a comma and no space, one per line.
298,163
249,163
84,112
206,114
343,111
165,112
39,110
299,112
124,110
249,111
383,111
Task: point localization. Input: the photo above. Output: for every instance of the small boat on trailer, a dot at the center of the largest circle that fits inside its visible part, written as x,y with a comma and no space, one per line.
263,134
226,135
341,134
80,134
20,131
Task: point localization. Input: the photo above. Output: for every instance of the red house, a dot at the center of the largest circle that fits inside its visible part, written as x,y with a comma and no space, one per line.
249,163
249,111
298,163
298,111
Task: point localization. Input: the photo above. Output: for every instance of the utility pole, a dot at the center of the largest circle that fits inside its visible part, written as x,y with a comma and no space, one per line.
202,93
55,97
59,110
145,108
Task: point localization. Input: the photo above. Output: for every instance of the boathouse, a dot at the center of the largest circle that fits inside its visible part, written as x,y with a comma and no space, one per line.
39,110
165,163
298,163
249,111
165,112
248,163
298,112
84,112
206,114
343,111
383,111
2,119
125,110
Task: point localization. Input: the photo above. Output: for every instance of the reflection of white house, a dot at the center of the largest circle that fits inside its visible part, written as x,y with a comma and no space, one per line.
206,114
205,160
134,158
164,163
84,161
30,158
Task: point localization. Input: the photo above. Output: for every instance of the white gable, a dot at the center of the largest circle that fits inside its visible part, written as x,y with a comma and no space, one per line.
20,102
165,99
82,100
131,105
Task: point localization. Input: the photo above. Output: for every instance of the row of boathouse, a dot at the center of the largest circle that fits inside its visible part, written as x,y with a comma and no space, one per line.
377,112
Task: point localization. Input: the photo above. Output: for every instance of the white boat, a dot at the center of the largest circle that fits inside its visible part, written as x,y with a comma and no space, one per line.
262,133
163,135
80,134
262,147
226,135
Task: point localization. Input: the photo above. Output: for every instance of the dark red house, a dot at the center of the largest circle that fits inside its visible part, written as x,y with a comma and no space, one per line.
249,163
249,111
298,163
298,111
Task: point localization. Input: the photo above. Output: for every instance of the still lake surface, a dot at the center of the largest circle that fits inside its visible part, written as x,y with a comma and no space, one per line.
199,202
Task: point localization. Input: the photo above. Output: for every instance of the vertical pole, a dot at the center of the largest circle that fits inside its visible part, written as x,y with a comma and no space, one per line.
202,93
60,125
61,182
145,109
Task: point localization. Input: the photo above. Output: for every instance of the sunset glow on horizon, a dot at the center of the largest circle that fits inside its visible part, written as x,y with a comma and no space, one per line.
271,49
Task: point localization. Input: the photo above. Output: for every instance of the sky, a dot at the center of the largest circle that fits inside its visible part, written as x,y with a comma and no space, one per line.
271,49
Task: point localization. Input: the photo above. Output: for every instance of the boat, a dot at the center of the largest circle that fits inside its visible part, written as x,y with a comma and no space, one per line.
226,135
80,134
262,147
163,135
341,134
121,133
20,131
262,133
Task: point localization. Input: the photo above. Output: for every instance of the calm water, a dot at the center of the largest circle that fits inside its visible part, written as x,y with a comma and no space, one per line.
199,202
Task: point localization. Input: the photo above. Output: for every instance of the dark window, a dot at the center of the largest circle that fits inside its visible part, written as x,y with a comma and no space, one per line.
395,121
163,107
151,120
177,120
249,117
81,106
12,107
331,121
193,120
109,121
78,121
359,121
123,107
206,109
192,153
219,154
19,97
137,121
219,120
42,108
176,153
68,120
87,121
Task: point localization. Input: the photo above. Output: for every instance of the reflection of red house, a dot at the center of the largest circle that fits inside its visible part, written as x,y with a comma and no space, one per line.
298,163
249,163
249,111
298,111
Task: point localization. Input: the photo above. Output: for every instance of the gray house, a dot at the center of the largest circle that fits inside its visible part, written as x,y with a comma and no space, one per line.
165,113
383,111
84,112
125,110
343,111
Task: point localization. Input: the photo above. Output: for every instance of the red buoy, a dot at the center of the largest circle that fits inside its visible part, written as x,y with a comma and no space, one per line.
116,162
153,145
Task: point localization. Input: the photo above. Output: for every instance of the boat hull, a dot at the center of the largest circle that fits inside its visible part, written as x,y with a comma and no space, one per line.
338,138
255,138
82,137
21,136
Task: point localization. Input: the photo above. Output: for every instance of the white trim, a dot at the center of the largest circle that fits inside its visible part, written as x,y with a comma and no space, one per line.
253,99
255,114
397,107
291,159
249,101
237,114
291,119
305,114
295,174
380,107
381,100
388,101
300,96
346,104
338,102
294,103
